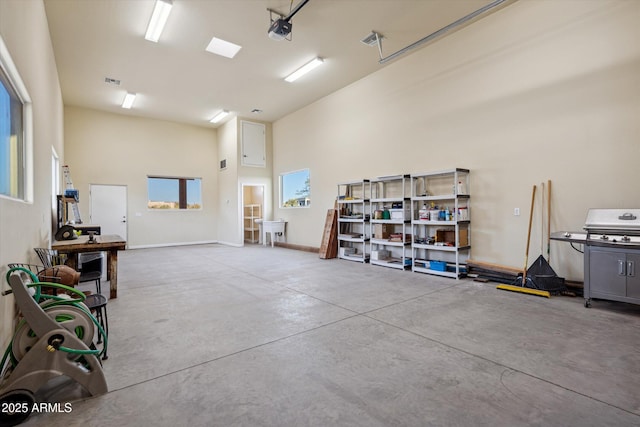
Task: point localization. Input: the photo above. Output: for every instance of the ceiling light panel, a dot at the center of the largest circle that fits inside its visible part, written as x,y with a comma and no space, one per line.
158,20
304,69
221,115
128,101
223,48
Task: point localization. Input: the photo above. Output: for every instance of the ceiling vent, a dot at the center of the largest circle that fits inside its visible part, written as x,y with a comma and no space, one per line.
110,81
372,39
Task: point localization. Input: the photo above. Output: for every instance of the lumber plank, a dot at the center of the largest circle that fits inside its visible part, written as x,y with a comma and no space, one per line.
329,245
494,267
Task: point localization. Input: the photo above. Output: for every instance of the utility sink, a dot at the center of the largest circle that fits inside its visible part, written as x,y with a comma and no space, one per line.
272,228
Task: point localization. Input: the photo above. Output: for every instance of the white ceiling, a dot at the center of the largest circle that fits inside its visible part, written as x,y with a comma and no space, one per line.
177,80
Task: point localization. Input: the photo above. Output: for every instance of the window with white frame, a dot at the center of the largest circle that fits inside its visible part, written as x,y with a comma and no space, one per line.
15,130
55,179
295,189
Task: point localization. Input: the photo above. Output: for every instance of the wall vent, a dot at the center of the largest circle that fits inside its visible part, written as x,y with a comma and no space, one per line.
223,164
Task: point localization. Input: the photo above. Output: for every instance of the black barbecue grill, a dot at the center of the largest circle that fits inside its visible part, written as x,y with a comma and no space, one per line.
611,253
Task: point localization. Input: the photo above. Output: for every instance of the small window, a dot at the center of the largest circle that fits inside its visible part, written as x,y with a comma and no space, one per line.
15,107
295,189
174,193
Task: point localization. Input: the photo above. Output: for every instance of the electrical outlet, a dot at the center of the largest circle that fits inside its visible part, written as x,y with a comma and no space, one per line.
516,211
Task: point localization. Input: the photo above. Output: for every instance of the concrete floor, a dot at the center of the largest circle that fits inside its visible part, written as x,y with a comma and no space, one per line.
257,336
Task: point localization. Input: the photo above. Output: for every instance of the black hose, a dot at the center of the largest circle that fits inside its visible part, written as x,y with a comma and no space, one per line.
576,248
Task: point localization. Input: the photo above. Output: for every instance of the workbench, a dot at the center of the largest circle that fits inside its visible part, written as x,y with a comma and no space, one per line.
110,243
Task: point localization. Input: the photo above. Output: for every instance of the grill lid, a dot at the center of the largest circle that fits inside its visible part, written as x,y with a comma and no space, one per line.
616,220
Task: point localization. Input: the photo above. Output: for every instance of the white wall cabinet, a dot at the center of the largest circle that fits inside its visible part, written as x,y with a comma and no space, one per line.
254,144
441,222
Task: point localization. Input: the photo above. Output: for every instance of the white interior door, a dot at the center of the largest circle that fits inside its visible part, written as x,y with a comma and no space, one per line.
109,208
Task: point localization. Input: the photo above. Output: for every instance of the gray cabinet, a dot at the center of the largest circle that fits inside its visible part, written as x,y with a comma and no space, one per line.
612,274
633,279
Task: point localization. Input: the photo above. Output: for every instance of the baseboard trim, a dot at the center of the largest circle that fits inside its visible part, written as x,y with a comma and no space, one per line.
297,247
235,245
166,245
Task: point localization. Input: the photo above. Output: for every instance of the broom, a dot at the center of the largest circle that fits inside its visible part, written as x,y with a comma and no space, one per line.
525,280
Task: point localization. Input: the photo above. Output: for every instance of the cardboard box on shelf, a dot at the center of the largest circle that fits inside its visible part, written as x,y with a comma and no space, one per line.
397,237
382,231
401,214
463,235
379,254
449,236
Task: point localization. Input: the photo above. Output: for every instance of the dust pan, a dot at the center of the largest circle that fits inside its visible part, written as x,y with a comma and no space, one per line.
544,278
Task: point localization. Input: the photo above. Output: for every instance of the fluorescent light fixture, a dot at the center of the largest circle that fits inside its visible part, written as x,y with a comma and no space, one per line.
304,69
223,48
129,98
221,115
158,19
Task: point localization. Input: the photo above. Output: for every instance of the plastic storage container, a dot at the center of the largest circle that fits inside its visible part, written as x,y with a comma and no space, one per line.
438,265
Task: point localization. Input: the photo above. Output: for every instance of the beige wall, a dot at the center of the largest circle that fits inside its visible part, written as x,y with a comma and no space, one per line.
228,198
23,226
114,149
248,175
540,90
230,226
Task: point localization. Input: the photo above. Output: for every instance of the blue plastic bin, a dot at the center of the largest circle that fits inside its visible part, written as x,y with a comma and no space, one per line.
438,265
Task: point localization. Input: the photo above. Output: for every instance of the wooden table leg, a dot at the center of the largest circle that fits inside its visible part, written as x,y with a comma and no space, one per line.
108,261
72,260
112,261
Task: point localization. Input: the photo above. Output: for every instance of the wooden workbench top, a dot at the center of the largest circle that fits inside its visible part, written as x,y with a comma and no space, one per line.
103,242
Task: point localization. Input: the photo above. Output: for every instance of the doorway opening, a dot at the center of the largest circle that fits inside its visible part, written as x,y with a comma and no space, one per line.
252,211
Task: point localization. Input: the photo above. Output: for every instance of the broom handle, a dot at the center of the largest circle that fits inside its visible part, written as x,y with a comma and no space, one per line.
526,254
542,218
548,220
